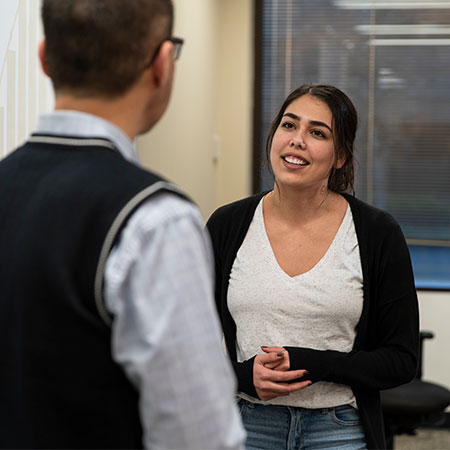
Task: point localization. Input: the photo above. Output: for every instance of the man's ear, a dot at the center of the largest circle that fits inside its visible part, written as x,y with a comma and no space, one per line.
42,53
162,66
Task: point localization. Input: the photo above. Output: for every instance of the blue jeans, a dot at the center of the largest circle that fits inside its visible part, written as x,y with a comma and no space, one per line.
286,427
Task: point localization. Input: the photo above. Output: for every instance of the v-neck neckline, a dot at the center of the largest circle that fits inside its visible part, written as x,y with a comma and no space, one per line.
268,245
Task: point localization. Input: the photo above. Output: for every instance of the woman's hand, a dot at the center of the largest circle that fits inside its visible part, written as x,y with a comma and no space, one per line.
270,383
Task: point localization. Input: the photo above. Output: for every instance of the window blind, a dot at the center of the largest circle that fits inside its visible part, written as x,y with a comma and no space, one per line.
392,58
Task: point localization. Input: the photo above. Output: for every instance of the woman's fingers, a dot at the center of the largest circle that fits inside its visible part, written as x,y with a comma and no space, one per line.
272,349
283,363
281,377
270,390
270,358
274,383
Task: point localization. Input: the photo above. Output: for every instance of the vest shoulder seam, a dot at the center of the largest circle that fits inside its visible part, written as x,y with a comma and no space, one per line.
111,236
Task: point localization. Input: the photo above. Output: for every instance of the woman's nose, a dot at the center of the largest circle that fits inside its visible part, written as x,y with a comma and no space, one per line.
297,142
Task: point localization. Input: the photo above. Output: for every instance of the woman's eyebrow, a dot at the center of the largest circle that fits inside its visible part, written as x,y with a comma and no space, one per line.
320,124
312,122
292,116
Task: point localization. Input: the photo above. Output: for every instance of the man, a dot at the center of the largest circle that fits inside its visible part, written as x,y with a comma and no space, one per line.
108,333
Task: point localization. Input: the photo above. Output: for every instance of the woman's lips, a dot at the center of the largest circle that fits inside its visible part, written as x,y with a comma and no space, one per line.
294,161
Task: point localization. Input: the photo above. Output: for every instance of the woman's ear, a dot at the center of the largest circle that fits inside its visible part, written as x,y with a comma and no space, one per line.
162,66
42,54
340,161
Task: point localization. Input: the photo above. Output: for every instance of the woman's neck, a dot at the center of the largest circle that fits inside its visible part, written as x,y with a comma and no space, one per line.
301,206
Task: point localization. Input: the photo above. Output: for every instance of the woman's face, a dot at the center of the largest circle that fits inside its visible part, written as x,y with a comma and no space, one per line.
302,153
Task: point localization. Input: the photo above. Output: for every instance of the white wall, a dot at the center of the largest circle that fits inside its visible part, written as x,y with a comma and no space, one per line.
24,90
435,317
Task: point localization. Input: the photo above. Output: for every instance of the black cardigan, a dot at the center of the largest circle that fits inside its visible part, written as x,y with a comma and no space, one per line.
385,350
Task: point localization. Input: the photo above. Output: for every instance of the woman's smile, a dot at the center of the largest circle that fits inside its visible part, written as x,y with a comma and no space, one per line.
294,160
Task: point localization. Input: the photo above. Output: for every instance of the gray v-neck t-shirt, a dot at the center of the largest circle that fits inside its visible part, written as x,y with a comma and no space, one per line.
318,309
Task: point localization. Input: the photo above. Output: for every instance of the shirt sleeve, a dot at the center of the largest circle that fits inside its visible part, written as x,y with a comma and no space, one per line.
165,332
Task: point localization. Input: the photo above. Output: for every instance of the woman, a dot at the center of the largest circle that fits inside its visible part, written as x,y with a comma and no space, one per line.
314,288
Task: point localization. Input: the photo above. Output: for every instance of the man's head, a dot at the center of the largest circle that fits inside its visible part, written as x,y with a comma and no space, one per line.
99,48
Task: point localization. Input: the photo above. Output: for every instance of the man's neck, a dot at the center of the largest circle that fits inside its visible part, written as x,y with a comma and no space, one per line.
119,111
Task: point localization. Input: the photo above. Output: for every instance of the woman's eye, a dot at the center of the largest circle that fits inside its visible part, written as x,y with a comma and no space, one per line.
318,133
287,125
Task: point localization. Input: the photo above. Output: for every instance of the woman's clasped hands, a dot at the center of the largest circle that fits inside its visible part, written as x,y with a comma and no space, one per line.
272,377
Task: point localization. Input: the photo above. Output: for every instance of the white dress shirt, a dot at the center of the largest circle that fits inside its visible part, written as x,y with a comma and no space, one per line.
165,334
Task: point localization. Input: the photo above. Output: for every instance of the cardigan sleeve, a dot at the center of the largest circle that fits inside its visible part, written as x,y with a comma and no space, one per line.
244,375
242,370
391,359
391,364
227,232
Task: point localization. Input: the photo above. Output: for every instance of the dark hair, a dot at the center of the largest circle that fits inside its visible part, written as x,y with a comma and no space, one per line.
100,47
344,124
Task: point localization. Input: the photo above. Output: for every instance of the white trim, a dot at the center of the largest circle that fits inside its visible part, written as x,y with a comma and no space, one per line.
110,237
72,141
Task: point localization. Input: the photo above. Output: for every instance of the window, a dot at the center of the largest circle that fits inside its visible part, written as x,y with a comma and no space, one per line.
392,57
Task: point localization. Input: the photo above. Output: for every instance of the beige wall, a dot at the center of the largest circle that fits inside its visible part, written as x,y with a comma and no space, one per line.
235,117
203,143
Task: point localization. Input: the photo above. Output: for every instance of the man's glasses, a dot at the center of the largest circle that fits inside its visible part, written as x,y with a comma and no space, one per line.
177,44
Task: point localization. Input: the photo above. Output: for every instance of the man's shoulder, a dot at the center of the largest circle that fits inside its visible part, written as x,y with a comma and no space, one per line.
165,207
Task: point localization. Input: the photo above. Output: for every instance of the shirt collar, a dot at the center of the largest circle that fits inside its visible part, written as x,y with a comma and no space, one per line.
80,124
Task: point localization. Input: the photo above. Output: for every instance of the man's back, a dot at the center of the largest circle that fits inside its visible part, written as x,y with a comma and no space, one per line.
58,206
67,370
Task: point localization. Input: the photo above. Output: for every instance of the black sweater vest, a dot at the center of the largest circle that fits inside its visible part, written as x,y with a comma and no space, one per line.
62,205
